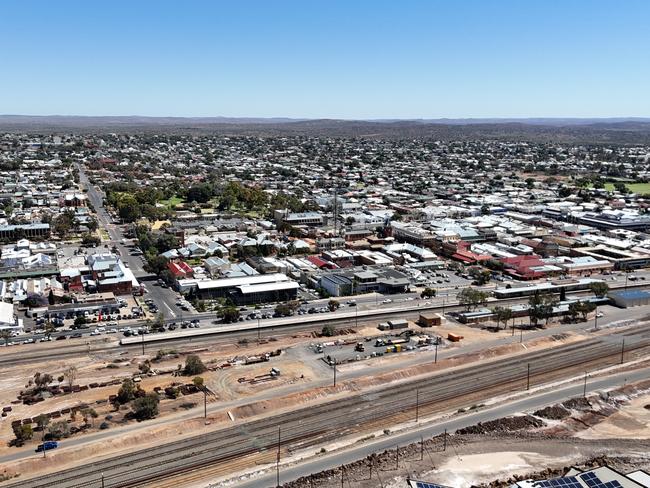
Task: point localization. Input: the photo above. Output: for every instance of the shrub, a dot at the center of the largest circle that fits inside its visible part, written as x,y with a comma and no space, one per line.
194,365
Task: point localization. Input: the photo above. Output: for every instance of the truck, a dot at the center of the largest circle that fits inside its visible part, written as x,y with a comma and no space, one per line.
359,347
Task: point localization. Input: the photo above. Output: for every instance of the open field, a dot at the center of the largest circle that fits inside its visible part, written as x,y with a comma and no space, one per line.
642,188
172,201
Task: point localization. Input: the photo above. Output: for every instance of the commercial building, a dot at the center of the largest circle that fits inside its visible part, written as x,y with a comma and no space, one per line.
244,290
31,231
7,317
353,281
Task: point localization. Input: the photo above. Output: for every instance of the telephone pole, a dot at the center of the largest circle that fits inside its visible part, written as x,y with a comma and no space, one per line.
623,351
584,391
334,371
277,462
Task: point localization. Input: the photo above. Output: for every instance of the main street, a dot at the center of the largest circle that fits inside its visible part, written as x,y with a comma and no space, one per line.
164,297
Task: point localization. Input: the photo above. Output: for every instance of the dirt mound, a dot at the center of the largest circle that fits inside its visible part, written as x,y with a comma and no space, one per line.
508,424
579,403
555,412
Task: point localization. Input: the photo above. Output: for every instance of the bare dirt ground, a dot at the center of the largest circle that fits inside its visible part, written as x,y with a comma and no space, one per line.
253,399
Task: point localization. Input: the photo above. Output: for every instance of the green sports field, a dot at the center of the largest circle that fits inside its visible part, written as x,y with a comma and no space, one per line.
642,188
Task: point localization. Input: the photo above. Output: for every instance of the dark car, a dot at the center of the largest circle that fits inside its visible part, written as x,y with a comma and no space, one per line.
61,337
76,335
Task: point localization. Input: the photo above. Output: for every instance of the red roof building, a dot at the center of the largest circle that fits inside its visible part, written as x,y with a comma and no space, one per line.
180,269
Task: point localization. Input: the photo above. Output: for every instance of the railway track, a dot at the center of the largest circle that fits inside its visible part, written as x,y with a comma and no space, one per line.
26,357
312,425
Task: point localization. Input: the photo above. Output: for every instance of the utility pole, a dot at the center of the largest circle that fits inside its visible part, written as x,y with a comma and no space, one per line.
623,350
342,471
528,378
435,360
596,319
444,443
102,480
584,391
521,335
205,402
277,462
417,405
421,448
334,371
397,457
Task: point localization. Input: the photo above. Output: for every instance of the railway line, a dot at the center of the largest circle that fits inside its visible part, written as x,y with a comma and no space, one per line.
217,336
312,425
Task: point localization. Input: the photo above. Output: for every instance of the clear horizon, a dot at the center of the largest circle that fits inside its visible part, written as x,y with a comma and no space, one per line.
337,60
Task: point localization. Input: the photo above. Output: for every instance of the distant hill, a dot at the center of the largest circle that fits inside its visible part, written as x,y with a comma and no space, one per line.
566,130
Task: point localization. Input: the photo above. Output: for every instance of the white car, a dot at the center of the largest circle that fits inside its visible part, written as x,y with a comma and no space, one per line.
388,300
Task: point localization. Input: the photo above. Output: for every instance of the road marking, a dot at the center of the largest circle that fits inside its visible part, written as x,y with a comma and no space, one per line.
170,310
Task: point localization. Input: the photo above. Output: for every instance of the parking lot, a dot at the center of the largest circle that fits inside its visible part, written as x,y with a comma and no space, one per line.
342,351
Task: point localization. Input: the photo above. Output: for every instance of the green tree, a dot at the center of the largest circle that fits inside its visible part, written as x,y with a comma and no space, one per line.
328,330
127,392
5,334
599,288
198,381
70,374
145,407
428,293
22,433
502,314
333,305
230,314
541,307
585,308
42,421
471,298
194,365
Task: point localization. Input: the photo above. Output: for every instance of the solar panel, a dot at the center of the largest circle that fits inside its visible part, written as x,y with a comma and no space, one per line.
594,481
568,482
421,484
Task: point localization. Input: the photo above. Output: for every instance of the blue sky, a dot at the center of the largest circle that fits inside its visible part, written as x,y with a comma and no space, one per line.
336,59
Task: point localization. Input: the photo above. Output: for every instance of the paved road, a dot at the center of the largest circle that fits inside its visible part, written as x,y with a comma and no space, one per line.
528,404
164,297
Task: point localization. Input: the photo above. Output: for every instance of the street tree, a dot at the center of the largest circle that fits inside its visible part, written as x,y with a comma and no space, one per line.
428,293
599,288
471,298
